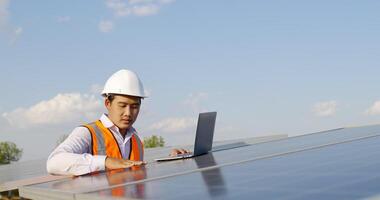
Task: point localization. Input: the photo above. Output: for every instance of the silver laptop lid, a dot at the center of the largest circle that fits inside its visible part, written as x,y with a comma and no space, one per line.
205,133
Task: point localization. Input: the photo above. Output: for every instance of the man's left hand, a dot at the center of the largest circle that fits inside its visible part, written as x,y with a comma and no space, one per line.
176,152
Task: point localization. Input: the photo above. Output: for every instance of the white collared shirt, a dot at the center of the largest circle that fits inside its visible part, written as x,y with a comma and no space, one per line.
73,156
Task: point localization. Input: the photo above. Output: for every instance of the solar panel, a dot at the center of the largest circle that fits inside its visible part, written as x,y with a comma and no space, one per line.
342,171
24,173
19,174
32,172
20,170
154,171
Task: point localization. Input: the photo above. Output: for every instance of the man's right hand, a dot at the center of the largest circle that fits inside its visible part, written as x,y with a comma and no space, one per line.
117,163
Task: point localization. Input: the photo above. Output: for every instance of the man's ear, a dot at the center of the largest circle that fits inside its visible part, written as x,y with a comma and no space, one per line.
107,103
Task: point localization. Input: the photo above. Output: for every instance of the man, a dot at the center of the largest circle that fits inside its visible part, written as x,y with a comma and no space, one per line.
111,142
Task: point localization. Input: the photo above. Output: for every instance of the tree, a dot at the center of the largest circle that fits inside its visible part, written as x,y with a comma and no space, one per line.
154,141
9,152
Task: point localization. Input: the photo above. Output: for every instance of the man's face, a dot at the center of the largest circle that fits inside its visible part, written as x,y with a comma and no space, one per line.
123,110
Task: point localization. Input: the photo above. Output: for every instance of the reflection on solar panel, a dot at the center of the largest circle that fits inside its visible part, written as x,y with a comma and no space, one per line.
325,173
314,166
31,172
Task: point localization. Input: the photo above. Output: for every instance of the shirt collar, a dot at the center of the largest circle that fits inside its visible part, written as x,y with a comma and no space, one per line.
106,121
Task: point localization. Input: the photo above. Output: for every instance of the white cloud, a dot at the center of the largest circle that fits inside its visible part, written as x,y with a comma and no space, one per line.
166,1
105,26
63,19
4,13
15,34
96,89
194,100
121,8
145,10
173,125
18,31
374,109
11,32
139,1
63,108
324,109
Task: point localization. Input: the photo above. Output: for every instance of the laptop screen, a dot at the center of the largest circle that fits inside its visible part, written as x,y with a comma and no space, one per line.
205,133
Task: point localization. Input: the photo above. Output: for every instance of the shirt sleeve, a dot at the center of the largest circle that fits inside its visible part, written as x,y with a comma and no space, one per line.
73,157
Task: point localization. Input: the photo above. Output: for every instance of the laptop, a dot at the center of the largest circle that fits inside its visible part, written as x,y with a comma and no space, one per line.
203,137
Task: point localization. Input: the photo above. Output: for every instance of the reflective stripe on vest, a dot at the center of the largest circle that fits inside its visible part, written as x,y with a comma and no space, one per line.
104,143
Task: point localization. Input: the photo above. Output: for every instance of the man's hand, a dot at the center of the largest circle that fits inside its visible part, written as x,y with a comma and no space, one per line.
176,152
116,163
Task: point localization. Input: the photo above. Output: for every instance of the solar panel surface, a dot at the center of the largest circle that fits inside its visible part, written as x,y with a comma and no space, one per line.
156,171
32,172
342,171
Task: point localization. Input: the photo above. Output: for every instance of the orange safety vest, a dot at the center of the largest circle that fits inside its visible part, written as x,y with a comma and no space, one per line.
104,143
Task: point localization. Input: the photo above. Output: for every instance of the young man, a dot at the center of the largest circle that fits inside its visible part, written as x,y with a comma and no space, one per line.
111,142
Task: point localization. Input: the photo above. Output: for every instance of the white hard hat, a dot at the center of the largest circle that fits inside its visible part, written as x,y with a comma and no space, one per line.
124,82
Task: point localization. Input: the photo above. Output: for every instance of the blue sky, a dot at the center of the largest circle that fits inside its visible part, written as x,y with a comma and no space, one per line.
267,67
